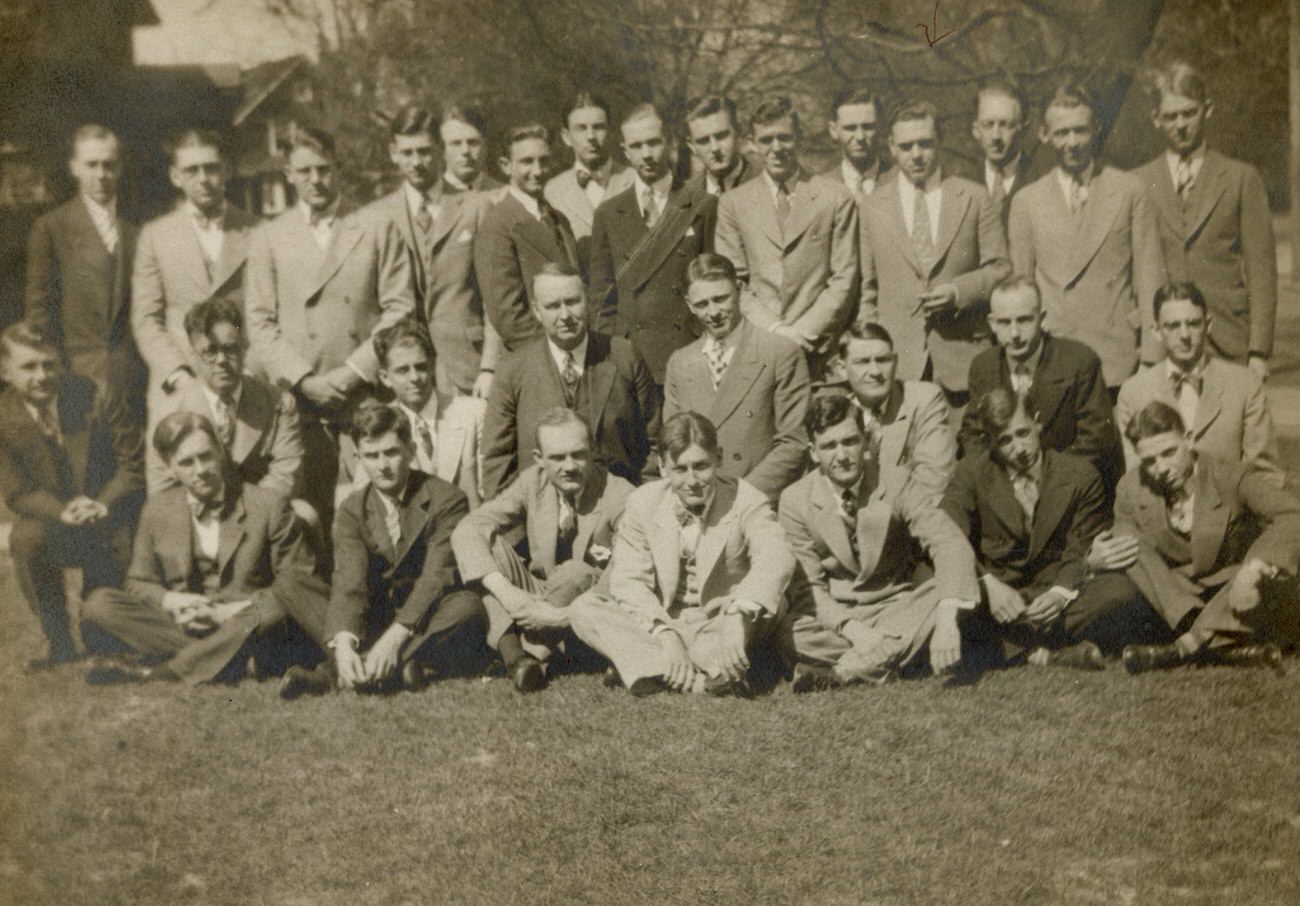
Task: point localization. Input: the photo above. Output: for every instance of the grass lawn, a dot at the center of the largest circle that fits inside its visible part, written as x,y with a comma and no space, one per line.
1035,786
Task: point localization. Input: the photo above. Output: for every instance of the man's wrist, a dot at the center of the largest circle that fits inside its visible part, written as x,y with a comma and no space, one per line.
344,640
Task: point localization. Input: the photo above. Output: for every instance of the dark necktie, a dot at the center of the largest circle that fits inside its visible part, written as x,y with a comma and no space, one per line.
921,238
999,192
552,223
569,376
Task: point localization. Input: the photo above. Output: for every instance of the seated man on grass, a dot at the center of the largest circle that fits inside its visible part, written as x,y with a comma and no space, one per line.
218,567
863,615
698,577
568,508
1219,548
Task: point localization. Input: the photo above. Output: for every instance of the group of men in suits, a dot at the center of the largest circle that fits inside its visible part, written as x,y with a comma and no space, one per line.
870,422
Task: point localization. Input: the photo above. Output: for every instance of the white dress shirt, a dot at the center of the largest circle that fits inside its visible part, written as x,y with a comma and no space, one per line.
104,217
321,225
933,199
864,183
207,531
579,355
430,202
1007,174
424,460
209,230
529,202
658,189
1068,182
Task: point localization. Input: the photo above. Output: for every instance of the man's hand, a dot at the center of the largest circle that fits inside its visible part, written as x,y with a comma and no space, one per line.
82,510
1244,593
538,614
1258,366
352,670
221,613
1112,553
1046,607
731,648
179,603
795,336
938,301
945,641
381,659
1004,601
321,391
482,385
680,673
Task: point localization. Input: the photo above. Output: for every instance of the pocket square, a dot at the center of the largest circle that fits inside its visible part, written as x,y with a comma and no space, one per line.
690,231
466,235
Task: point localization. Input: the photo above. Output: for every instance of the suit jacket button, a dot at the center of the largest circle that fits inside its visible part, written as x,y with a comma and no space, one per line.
736,457
311,335
749,413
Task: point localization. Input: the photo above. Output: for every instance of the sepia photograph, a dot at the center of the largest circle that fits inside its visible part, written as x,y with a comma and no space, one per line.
812,452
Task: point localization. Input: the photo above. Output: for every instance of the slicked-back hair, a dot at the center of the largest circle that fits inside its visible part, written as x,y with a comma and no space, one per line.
1070,95
708,105
525,132
1180,78
1178,290
1014,282
1152,420
406,332
911,109
710,266
412,120
194,138
372,420
204,317
827,410
173,429
854,96
995,410
773,109
1006,87
640,112
585,99
866,330
558,417
89,132
469,114
685,430
558,269
313,139
29,335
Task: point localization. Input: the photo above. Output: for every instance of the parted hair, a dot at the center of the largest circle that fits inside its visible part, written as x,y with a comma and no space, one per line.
1013,282
1068,95
584,99
852,96
710,266
772,109
995,410
89,132
708,105
1152,420
202,318
863,330
374,419
525,132
406,332
413,120
685,430
557,269
1178,77
910,109
1182,290
314,139
827,410
640,112
558,417
28,334
173,429
194,138
469,114
1005,86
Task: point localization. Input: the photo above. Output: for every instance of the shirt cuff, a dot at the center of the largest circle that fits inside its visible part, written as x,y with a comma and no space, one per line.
747,608
1068,593
958,604
659,629
340,637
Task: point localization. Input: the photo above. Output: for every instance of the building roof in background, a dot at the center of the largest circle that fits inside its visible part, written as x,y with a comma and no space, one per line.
260,82
204,32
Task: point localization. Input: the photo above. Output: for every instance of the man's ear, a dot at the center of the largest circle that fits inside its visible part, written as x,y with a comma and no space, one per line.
503,163
537,456
383,378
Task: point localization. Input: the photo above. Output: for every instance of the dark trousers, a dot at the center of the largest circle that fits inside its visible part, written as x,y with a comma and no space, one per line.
41,551
452,639
262,628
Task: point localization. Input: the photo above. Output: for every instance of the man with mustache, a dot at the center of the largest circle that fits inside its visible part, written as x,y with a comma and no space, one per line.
713,132
568,509
793,239
751,385
603,378
999,128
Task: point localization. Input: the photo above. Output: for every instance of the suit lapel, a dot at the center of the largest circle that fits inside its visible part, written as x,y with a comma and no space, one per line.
1153,524
589,516
1099,215
230,534
665,548
1166,196
448,218
598,374
872,528
953,204
378,525
1206,191
741,373
347,233
717,529
1209,523
76,434
414,516
826,519
1049,382
1002,500
251,414
896,427
1210,405
449,447
888,200
658,243
234,246
803,209
544,527
1053,501
762,210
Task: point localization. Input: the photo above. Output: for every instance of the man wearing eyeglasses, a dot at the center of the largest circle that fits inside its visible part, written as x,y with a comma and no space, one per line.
999,127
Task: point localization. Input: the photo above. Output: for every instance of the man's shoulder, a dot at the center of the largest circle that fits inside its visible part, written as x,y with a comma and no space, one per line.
503,213
262,503
441,490
1072,355
961,184
561,184
162,504
1067,468
828,186
922,394
797,496
765,343
646,499
262,395
58,216
386,207
1115,179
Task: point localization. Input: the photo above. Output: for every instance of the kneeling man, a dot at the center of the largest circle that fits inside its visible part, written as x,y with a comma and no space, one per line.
569,508
1219,548
699,574
863,615
216,564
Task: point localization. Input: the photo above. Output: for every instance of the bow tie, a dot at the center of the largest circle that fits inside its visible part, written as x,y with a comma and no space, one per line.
202,510
583,177
686,516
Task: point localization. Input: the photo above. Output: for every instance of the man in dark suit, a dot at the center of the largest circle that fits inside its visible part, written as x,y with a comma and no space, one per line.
999,128
323,278
568,508
642,242
256,422
218,567
1061,377
932,249
751,385
1088,235
438,224
397,616
79,273
603,378
1032,514
1215,225
713,132
71,473
520,234
854,124
1220,547
194,253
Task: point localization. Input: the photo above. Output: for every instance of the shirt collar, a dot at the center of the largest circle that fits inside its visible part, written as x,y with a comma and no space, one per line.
531,204
932,184
773,187
660,187
456,183
579,353
1085,178
1005,172
1034,473
328,217
51,406
104,211
1034,358
727,342
600,175
212,397
729,179
203,220
1197,371
215,506
1194,158
415,199
853,178
703,515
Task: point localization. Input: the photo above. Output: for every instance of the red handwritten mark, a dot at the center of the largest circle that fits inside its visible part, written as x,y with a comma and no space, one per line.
925,28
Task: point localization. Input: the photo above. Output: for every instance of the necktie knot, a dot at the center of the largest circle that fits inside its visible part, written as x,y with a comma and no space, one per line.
1190,380
202,510
1184,177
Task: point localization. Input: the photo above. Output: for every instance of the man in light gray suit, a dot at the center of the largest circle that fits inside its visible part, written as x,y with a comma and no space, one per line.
322,279
595,175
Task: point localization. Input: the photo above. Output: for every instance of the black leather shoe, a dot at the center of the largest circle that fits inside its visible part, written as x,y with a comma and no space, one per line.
416,675
106,672
527,674
721,687
1141,658
1083,656
1267,655
57,659
611,679
813,678
647,685
299,681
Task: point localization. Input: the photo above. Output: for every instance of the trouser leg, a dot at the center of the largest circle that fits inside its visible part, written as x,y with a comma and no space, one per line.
1110,612
321,468
139,625
602,624
453,642
38,568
